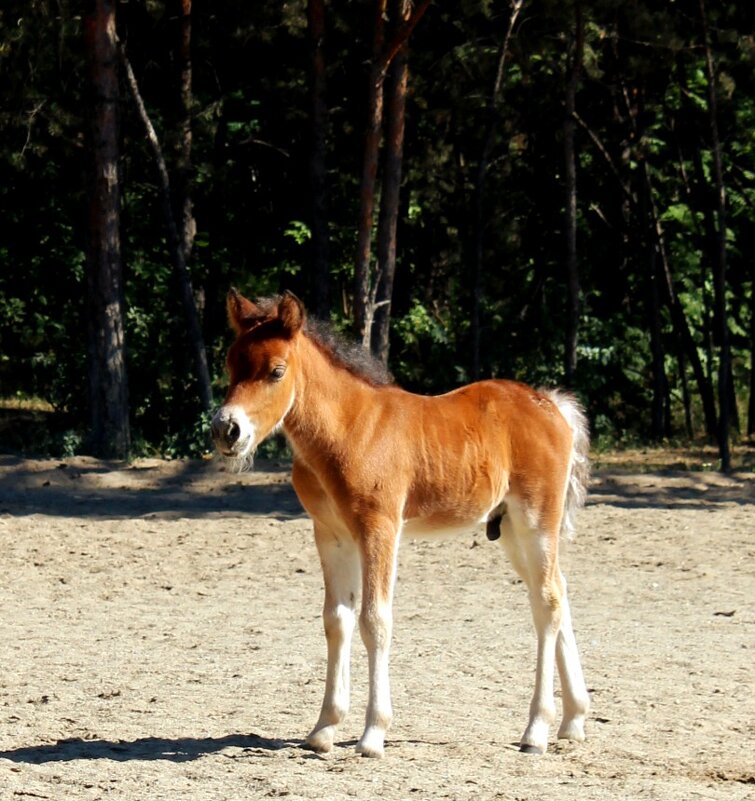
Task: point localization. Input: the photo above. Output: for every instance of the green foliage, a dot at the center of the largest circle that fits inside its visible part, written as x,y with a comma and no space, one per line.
642,94
194,441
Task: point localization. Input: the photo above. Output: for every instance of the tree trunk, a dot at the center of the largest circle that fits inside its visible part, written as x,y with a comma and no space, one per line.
686,399
391,185
108,386
679,322
685,341
365,289
678,317
719,267
479,189
183,278
731,391
320,277
363,296
182,200
183,206
704,202
751,404
215,222
659,415
570,173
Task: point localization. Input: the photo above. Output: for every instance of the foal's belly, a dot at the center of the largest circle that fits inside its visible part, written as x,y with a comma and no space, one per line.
426,517
437,526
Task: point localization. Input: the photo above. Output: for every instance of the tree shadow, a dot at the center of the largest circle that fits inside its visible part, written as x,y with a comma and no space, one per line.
671,489
181,749
110,490
90,488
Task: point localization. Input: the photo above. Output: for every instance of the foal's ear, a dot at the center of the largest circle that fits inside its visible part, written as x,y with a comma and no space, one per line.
241,312
291,312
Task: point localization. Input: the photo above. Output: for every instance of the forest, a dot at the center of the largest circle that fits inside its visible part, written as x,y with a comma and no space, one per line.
561,193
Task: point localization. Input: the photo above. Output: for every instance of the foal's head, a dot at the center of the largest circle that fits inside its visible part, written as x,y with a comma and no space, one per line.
261,367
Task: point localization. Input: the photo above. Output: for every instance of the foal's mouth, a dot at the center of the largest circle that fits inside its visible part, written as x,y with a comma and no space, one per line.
239,450
238,460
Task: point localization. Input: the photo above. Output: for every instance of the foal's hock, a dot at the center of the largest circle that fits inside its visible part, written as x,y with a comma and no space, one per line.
372,461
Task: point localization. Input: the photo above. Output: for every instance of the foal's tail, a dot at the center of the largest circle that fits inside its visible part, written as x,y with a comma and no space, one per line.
579,473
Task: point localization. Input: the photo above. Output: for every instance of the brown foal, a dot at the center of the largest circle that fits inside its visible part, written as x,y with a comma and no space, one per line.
373,462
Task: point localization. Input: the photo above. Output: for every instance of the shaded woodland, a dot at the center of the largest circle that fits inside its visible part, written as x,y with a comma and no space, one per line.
558,193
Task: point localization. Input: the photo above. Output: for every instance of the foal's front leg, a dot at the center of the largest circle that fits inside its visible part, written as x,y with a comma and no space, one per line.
341,569
379,547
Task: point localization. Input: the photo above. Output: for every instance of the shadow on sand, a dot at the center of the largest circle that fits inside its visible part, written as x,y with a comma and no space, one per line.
89,488
181,749
671,489
97,489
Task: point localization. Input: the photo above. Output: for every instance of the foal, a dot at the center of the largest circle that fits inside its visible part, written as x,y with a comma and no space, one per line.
372,461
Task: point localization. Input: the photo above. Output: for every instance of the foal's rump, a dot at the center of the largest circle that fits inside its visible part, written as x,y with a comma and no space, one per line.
550,464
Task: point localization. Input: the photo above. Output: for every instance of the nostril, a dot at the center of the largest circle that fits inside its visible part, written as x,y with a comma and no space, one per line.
233,431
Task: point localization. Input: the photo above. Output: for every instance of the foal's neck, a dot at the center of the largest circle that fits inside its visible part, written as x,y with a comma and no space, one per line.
327,403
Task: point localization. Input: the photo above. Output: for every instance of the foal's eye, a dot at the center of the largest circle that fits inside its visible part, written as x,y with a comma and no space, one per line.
278,372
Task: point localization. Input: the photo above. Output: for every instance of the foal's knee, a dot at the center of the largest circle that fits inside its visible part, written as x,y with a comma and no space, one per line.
337,621
375,626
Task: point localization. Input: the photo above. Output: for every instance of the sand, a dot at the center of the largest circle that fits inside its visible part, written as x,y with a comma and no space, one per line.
161,639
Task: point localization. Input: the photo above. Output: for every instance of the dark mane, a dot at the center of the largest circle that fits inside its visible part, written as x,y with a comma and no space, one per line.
347,353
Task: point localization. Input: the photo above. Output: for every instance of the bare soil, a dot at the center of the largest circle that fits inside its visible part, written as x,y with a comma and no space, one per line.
161,639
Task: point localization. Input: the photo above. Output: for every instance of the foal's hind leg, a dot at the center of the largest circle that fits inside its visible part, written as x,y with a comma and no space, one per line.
573,689
533,553
341,569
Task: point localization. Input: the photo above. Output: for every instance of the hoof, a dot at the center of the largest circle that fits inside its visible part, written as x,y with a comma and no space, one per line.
321,740
371,744
369,752
531,749
573,730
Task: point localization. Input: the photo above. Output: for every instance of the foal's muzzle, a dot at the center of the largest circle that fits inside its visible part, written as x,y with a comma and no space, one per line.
231,431
225,432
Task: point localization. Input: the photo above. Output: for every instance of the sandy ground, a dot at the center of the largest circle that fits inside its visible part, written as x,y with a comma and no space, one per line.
161,639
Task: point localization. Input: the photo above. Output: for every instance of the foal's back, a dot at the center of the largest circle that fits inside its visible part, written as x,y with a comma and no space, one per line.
465,452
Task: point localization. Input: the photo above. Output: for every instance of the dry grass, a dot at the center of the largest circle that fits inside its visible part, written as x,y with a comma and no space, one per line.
26,405
679,457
